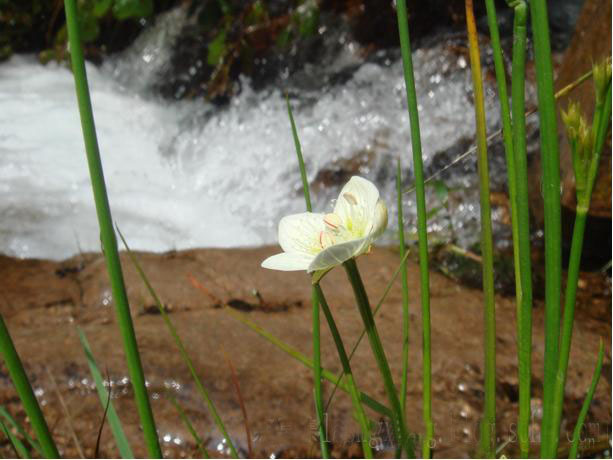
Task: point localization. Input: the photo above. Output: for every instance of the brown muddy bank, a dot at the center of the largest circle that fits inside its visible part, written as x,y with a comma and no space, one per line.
44,301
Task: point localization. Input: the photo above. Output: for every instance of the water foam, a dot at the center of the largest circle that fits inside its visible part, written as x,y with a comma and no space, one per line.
182,174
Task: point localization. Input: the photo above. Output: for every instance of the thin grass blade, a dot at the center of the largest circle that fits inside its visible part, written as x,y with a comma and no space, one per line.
18,446
586,404
301,358
24,390
11,421
189,426
121,440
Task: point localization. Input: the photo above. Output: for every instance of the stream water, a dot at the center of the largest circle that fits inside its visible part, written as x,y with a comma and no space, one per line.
184,174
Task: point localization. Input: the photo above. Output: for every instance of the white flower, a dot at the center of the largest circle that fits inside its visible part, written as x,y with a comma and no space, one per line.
315,242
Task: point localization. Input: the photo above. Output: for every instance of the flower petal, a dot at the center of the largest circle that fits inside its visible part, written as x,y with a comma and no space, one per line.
300,232
339,253
379,220
357,192
288,261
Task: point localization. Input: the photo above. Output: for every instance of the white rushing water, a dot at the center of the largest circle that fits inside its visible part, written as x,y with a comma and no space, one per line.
182,175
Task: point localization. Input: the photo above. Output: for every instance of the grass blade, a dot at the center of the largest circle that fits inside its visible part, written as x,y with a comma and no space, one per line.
301,358
189,426
586,404
319,408
11,421
107,233
67,414
18,447
488,430
182,351
24,390
121,439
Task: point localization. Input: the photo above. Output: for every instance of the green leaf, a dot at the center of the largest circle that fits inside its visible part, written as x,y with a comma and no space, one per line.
88,25
17,444
217,48
120,437
308,20
124,9
9,418
101,7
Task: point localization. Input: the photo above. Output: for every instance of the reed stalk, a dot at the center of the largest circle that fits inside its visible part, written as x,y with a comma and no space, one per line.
586,171
400,429
524,294
550,163
107,233
315,302
514,139
26,395
487,252
405,295
422,224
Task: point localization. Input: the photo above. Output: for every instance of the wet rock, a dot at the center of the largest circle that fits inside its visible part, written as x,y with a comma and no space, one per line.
277,390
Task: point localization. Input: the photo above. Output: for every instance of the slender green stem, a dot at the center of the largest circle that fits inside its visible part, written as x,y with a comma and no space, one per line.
524,293
351,385
574,448
550,159
363,333
319,409
107,234
182,351
422,230
487,251
405,295
26,395
603,112
377,348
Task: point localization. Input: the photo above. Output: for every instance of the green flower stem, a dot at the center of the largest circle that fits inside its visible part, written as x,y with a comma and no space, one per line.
351,385
107,234
422,230
319,407
26,395
524,294
377,347
574,447
550,158
603,112
405,295
487,252
363,333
